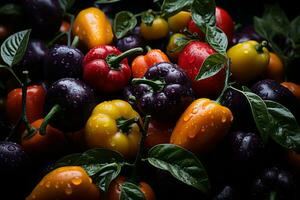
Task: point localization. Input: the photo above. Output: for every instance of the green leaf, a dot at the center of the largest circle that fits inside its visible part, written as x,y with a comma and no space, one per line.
67,160
171,7
66,4
10,9
260,113
14,47
130,191
211,66
106,174
123,23
181,163
203,13
217,39
286,131
147,18
295,30
180,43
277,19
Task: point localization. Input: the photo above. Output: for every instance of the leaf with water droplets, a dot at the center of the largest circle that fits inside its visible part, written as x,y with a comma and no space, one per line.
181,163
123,23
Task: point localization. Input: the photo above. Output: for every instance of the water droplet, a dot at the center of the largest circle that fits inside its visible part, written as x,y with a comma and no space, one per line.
195,110
56,186
212,124
48,184
70,54
76,181
33,197
187,118
223,119
42,183
202,129
68,191
192,134
90,180
11,148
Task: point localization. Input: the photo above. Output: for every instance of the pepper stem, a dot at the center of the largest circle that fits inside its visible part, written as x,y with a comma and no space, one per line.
75,41
259,47
53,112
125,124
156,85
113,61
29,128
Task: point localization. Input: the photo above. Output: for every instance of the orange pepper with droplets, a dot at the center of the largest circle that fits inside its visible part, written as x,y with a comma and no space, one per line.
93,28
203,124
143,62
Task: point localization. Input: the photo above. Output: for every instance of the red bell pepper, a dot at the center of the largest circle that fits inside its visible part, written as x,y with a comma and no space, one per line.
106,69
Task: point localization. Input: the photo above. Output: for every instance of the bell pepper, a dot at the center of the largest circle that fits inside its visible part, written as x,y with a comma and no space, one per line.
141,63
106,69
93,28
202,125
35,100
114,125
164,92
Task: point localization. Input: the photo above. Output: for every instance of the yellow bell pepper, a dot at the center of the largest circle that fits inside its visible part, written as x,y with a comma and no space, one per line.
114,125
93,28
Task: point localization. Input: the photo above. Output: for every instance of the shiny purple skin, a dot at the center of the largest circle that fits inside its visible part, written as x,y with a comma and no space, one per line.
45,17
247,33
76,100
273,179
12,158
63,62
227,192
34,58
272,90
240,109
168,103
245,146
129,42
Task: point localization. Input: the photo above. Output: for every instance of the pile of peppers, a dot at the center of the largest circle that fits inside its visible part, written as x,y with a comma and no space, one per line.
166,100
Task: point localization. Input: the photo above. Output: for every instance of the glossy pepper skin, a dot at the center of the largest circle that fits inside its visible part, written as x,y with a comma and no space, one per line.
248,60
65,183
113,125
103,73
164,92
143,62
202,125
35,100
75,100
93,28
191,59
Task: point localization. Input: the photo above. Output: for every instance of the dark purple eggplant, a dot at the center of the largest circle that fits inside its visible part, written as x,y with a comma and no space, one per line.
44,16
74,101
63,62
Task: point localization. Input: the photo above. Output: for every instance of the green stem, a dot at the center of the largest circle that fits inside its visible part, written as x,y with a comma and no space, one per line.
138,158
148,48
226,84
273,195
75,41
69,33
113,61
53,112
29,128
156,85
259,47
125,124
